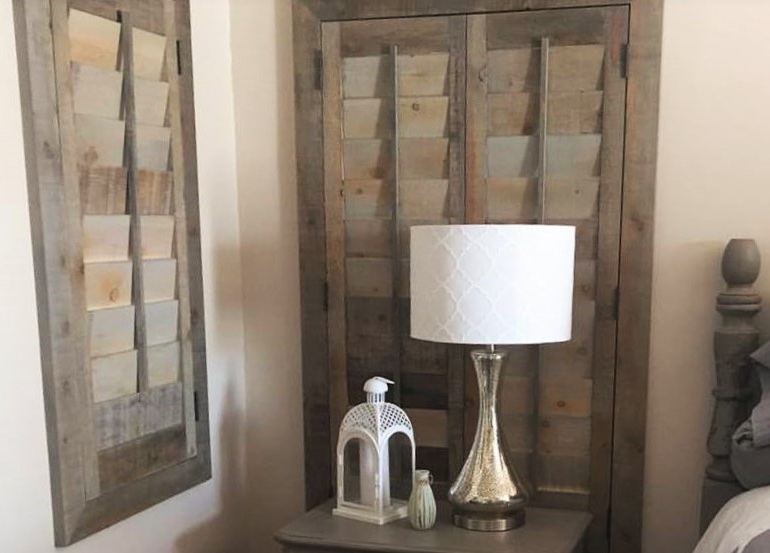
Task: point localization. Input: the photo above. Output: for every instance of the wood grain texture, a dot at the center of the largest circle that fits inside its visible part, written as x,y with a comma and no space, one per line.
335,225
312,230
111,330
636,275
128,418
103,190
114,376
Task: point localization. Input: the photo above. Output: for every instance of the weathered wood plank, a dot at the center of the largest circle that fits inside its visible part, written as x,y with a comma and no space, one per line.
430,427
418,117
162,320
416,36
100,141
111,330
114,376
149,55
151,102
566,397
568,113
565,436
158,236
512,156
153,148
105,238
124,464
94,39
128,418
335,227
419,75
574,156
160,277
103,190
424,158
97,91
515,199
584,26
371,278
163,364
155,192
564,474
108,284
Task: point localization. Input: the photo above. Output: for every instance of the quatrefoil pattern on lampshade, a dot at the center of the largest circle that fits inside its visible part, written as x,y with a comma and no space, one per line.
492,284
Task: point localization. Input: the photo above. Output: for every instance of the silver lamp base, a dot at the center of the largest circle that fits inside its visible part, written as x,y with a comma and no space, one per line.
488,495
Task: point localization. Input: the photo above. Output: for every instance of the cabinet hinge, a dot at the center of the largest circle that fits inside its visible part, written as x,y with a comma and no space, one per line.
195,406
178,57
624,61
318,61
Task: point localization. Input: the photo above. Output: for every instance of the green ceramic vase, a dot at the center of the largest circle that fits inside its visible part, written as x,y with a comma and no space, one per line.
422,504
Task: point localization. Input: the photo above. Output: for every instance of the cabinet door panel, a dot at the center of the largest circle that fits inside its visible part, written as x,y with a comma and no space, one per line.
545,126
394,157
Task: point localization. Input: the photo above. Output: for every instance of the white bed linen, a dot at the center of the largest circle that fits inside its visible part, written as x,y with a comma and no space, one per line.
742,519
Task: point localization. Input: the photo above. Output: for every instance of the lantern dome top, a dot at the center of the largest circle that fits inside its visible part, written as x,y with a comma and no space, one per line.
379,420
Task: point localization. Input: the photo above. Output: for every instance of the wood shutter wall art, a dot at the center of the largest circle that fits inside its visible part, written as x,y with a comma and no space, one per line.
515,117
110,136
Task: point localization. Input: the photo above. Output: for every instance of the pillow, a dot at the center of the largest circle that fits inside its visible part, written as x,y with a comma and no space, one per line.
740,521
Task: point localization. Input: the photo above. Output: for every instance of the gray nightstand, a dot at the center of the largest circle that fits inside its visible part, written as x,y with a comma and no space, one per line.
546,531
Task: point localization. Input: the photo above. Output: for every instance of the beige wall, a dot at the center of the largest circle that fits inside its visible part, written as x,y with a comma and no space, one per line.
713,185
204,519
264,119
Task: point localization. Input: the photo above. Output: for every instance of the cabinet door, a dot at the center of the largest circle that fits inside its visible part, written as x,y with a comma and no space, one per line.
545,127
394,157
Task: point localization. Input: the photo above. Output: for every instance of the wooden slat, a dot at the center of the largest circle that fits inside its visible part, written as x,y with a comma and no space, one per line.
334,202
513,114
93,40
100,141
419,75
108,284
125,419
424,158
564,474
424,391
151,102
416,36
103,190
585,26
565,436
155,195
371,278
515,199
162,322
105,238
430,427
97,91
418,117
566,397
514,70
163,364
422,357
124,464
512,156
158,236
149,15
114,376
111,330
153,147
149,55
517,431
367,238
369,316
516,396
367,159
159,279
574,156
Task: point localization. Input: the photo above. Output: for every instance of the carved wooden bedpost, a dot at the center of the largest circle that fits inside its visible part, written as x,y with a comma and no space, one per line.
735,339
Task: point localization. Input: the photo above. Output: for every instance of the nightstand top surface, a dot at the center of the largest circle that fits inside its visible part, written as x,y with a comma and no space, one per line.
546,531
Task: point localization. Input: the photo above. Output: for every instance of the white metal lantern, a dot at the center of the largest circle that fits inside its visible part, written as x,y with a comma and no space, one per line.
372,423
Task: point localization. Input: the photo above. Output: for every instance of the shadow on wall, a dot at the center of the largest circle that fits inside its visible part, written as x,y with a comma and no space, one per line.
225,532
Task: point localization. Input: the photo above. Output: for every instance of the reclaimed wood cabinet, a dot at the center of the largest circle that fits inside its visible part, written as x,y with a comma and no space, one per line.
481,112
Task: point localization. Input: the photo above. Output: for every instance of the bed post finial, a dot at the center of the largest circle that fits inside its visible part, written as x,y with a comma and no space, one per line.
734,340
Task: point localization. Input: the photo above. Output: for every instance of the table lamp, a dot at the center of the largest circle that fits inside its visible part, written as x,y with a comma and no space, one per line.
491,285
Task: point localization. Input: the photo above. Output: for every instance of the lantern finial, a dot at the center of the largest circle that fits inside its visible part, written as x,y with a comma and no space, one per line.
376,388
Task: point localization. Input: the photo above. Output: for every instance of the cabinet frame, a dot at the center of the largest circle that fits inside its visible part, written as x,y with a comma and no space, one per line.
636,254
81,504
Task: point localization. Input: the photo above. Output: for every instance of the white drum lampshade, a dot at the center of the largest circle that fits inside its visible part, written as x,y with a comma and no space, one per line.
492,284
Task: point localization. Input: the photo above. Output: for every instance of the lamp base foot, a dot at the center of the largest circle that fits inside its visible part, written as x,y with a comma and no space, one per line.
495,523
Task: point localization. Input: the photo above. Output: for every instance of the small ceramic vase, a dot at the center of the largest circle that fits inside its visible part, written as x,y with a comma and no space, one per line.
422,504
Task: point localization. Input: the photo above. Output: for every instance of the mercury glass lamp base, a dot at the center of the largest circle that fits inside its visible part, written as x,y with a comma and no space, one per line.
499,523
